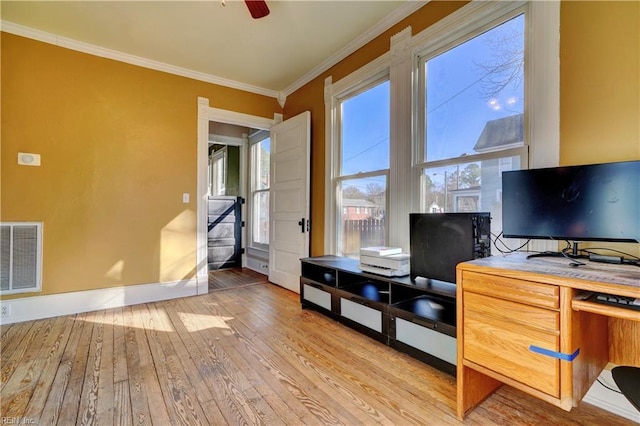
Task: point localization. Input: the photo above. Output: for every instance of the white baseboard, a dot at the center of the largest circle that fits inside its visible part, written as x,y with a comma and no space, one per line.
609,400
257,265
203,284
53,305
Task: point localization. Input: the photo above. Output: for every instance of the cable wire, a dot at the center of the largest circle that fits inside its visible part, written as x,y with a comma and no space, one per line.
608,387
508,249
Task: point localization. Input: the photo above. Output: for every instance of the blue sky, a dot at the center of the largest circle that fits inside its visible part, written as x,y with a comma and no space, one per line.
365,127
456,108
457,111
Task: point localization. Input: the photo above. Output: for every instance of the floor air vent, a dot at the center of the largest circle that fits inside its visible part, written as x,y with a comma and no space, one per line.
20,256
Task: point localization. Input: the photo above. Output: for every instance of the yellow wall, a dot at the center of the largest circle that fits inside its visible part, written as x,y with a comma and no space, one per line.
118,142
311,97
599,89
600,82
118,146
600,86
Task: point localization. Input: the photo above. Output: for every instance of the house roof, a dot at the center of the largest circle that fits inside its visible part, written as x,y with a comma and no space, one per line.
469,189
498,133
354,202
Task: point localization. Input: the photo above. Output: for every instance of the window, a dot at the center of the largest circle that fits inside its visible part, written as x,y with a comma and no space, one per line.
218,171
260,149
361,178
473,98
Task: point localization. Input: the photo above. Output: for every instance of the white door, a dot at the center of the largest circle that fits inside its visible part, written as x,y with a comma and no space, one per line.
289,200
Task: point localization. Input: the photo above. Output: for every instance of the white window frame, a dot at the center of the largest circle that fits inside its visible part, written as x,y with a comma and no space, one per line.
360,81
439,45
254,140
542,109
542,80
542,67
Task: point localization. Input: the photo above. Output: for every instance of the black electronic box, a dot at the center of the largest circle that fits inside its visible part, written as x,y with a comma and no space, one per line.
439,241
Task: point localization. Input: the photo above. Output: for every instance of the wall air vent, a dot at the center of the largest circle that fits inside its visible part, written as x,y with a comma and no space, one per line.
20,257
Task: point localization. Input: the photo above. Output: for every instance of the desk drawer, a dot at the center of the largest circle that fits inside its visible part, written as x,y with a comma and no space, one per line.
506,312
542,295
498,334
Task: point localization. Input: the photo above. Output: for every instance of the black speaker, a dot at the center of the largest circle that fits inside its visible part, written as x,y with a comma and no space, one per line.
439,241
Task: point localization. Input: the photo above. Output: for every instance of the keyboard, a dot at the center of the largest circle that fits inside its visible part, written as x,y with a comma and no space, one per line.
612,300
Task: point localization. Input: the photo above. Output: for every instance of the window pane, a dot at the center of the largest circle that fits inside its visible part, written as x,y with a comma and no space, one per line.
261,152
365,131
218,172
363,211
474,94
261,217
470,187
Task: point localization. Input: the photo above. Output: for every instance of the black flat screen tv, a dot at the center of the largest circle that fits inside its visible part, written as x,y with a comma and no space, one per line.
596,202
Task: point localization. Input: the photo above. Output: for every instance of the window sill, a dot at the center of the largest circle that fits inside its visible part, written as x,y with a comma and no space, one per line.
258,253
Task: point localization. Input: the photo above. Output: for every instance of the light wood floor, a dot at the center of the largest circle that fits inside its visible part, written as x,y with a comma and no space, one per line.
244,355
223,279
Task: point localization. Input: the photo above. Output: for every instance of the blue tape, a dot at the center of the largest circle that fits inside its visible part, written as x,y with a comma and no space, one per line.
554,354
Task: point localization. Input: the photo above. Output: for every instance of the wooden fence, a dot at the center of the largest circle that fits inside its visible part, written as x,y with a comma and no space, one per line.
362,233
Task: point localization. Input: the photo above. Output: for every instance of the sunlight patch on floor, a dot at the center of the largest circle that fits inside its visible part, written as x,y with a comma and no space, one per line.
152,321
197,322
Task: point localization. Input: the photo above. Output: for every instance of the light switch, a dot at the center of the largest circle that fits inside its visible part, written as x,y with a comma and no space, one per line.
185,197
28,159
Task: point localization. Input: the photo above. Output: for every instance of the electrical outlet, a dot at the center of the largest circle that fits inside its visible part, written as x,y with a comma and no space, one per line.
5,310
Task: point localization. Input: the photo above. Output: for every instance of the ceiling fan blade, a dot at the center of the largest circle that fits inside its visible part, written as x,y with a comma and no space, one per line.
257,8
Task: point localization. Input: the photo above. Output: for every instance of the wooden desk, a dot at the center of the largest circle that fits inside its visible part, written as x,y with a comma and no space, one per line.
522,322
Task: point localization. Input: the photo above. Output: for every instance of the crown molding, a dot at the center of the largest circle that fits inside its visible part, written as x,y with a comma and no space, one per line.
91,49
393,18
390,20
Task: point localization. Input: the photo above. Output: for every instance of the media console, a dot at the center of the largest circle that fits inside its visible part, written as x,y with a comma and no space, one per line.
415,317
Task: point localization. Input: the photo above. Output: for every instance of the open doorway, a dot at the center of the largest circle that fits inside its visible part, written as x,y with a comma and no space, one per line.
225,194
238,184
254,256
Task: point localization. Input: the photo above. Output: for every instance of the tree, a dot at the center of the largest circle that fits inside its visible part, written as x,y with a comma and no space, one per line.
354,193
429,186
264,167
470,176
374,192
506,64
453,179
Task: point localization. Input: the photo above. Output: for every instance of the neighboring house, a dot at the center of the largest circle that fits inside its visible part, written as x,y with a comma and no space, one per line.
501,133
504,132
435,208
356,209
466,199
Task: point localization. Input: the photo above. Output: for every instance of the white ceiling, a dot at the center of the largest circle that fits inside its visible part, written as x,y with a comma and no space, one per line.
279,53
